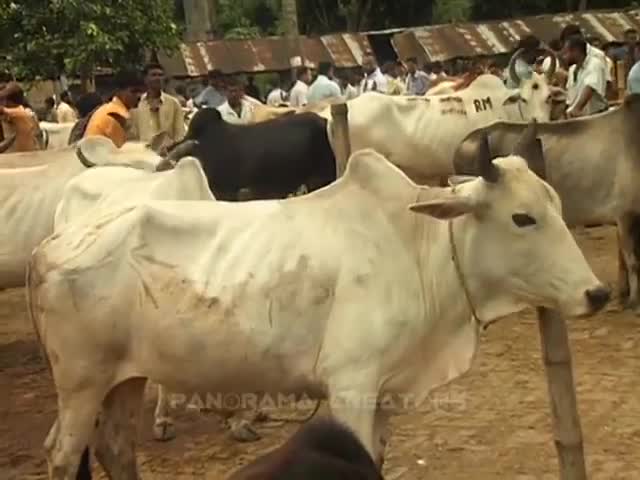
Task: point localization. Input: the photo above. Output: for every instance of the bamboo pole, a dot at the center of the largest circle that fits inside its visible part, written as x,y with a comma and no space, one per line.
340,136
556,355
566,421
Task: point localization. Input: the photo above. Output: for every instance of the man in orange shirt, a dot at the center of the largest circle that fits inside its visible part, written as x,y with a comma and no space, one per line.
19,123
111,119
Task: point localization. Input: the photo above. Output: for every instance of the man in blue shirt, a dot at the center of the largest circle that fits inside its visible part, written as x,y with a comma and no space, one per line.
212,96
633,81
323,88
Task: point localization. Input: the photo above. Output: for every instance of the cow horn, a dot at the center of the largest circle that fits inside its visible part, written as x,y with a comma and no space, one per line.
181,150
513,74
486,168
83,158
529,147
6,144
553,67
523,146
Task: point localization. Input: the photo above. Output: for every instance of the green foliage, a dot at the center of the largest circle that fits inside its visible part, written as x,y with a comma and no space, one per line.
48,37
445,11
243,19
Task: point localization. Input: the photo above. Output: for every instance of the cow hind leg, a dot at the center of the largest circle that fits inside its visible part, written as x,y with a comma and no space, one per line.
163,426
628,228
115,443
623,274
71,433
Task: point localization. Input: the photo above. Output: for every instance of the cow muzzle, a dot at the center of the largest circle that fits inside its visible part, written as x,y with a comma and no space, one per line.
598,297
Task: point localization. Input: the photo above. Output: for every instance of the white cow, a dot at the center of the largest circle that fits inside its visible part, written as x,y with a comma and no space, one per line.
55,135
30,195
421,134
368,289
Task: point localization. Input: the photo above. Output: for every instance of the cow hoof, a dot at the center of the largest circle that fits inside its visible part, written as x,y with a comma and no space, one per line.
164,431
242,431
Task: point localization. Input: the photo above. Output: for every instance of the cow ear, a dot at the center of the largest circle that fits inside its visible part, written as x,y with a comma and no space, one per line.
445,208
514,97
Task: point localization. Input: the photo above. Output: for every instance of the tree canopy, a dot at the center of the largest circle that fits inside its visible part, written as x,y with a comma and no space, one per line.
45,38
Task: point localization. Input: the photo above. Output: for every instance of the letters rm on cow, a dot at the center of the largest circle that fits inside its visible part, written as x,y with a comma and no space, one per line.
482,104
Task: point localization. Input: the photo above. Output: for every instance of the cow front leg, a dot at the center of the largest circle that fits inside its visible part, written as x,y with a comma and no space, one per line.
163,426
381,432
115,444
357,410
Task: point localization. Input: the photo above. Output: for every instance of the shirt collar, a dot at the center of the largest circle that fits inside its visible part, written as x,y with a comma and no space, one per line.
120,107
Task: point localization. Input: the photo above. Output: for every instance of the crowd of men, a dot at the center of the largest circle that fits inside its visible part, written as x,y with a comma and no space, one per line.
141,108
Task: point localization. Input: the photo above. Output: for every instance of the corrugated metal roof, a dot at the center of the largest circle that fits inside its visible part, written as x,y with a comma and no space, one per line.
265,54
445,42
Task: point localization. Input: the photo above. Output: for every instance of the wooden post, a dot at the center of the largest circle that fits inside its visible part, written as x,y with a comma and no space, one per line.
556,355
340,136
566,421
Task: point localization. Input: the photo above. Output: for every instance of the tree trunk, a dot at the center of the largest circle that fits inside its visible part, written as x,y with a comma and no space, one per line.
290,18
583,5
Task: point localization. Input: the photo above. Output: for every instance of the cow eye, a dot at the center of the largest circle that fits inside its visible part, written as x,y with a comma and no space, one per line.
523,220
535,86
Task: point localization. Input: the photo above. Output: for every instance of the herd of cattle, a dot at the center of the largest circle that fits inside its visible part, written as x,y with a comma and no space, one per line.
140,264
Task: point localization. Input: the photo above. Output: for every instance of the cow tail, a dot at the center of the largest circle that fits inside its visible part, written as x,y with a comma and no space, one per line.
31,312
84,470
299,420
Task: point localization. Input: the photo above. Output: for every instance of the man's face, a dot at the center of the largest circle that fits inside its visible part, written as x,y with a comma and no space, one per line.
131,96
155,79
411,67
306,77
368,65
216,82
235,94
571,55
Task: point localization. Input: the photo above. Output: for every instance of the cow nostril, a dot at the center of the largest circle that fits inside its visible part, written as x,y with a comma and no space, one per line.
598,297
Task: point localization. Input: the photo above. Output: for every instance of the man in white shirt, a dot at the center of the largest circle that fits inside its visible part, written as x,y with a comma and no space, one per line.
64,111
374,80
573,30
586,85
236,109
278,96
524,63
323,88
298,94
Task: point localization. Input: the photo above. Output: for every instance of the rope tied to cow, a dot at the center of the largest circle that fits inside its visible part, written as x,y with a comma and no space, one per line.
465,288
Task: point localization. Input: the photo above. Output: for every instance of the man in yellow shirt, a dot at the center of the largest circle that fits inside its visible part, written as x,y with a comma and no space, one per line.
157,111
111,120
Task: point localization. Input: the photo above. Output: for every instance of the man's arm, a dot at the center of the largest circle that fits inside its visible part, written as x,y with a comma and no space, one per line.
179,130
585,97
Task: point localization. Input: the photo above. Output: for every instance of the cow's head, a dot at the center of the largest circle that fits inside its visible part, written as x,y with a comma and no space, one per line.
536,96
513,244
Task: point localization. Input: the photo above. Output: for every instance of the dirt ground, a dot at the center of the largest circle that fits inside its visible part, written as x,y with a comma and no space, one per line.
492,424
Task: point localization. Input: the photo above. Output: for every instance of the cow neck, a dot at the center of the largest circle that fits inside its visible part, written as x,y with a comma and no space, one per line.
465,288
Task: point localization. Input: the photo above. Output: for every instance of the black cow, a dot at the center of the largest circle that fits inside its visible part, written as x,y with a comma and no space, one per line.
320,450
272,159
